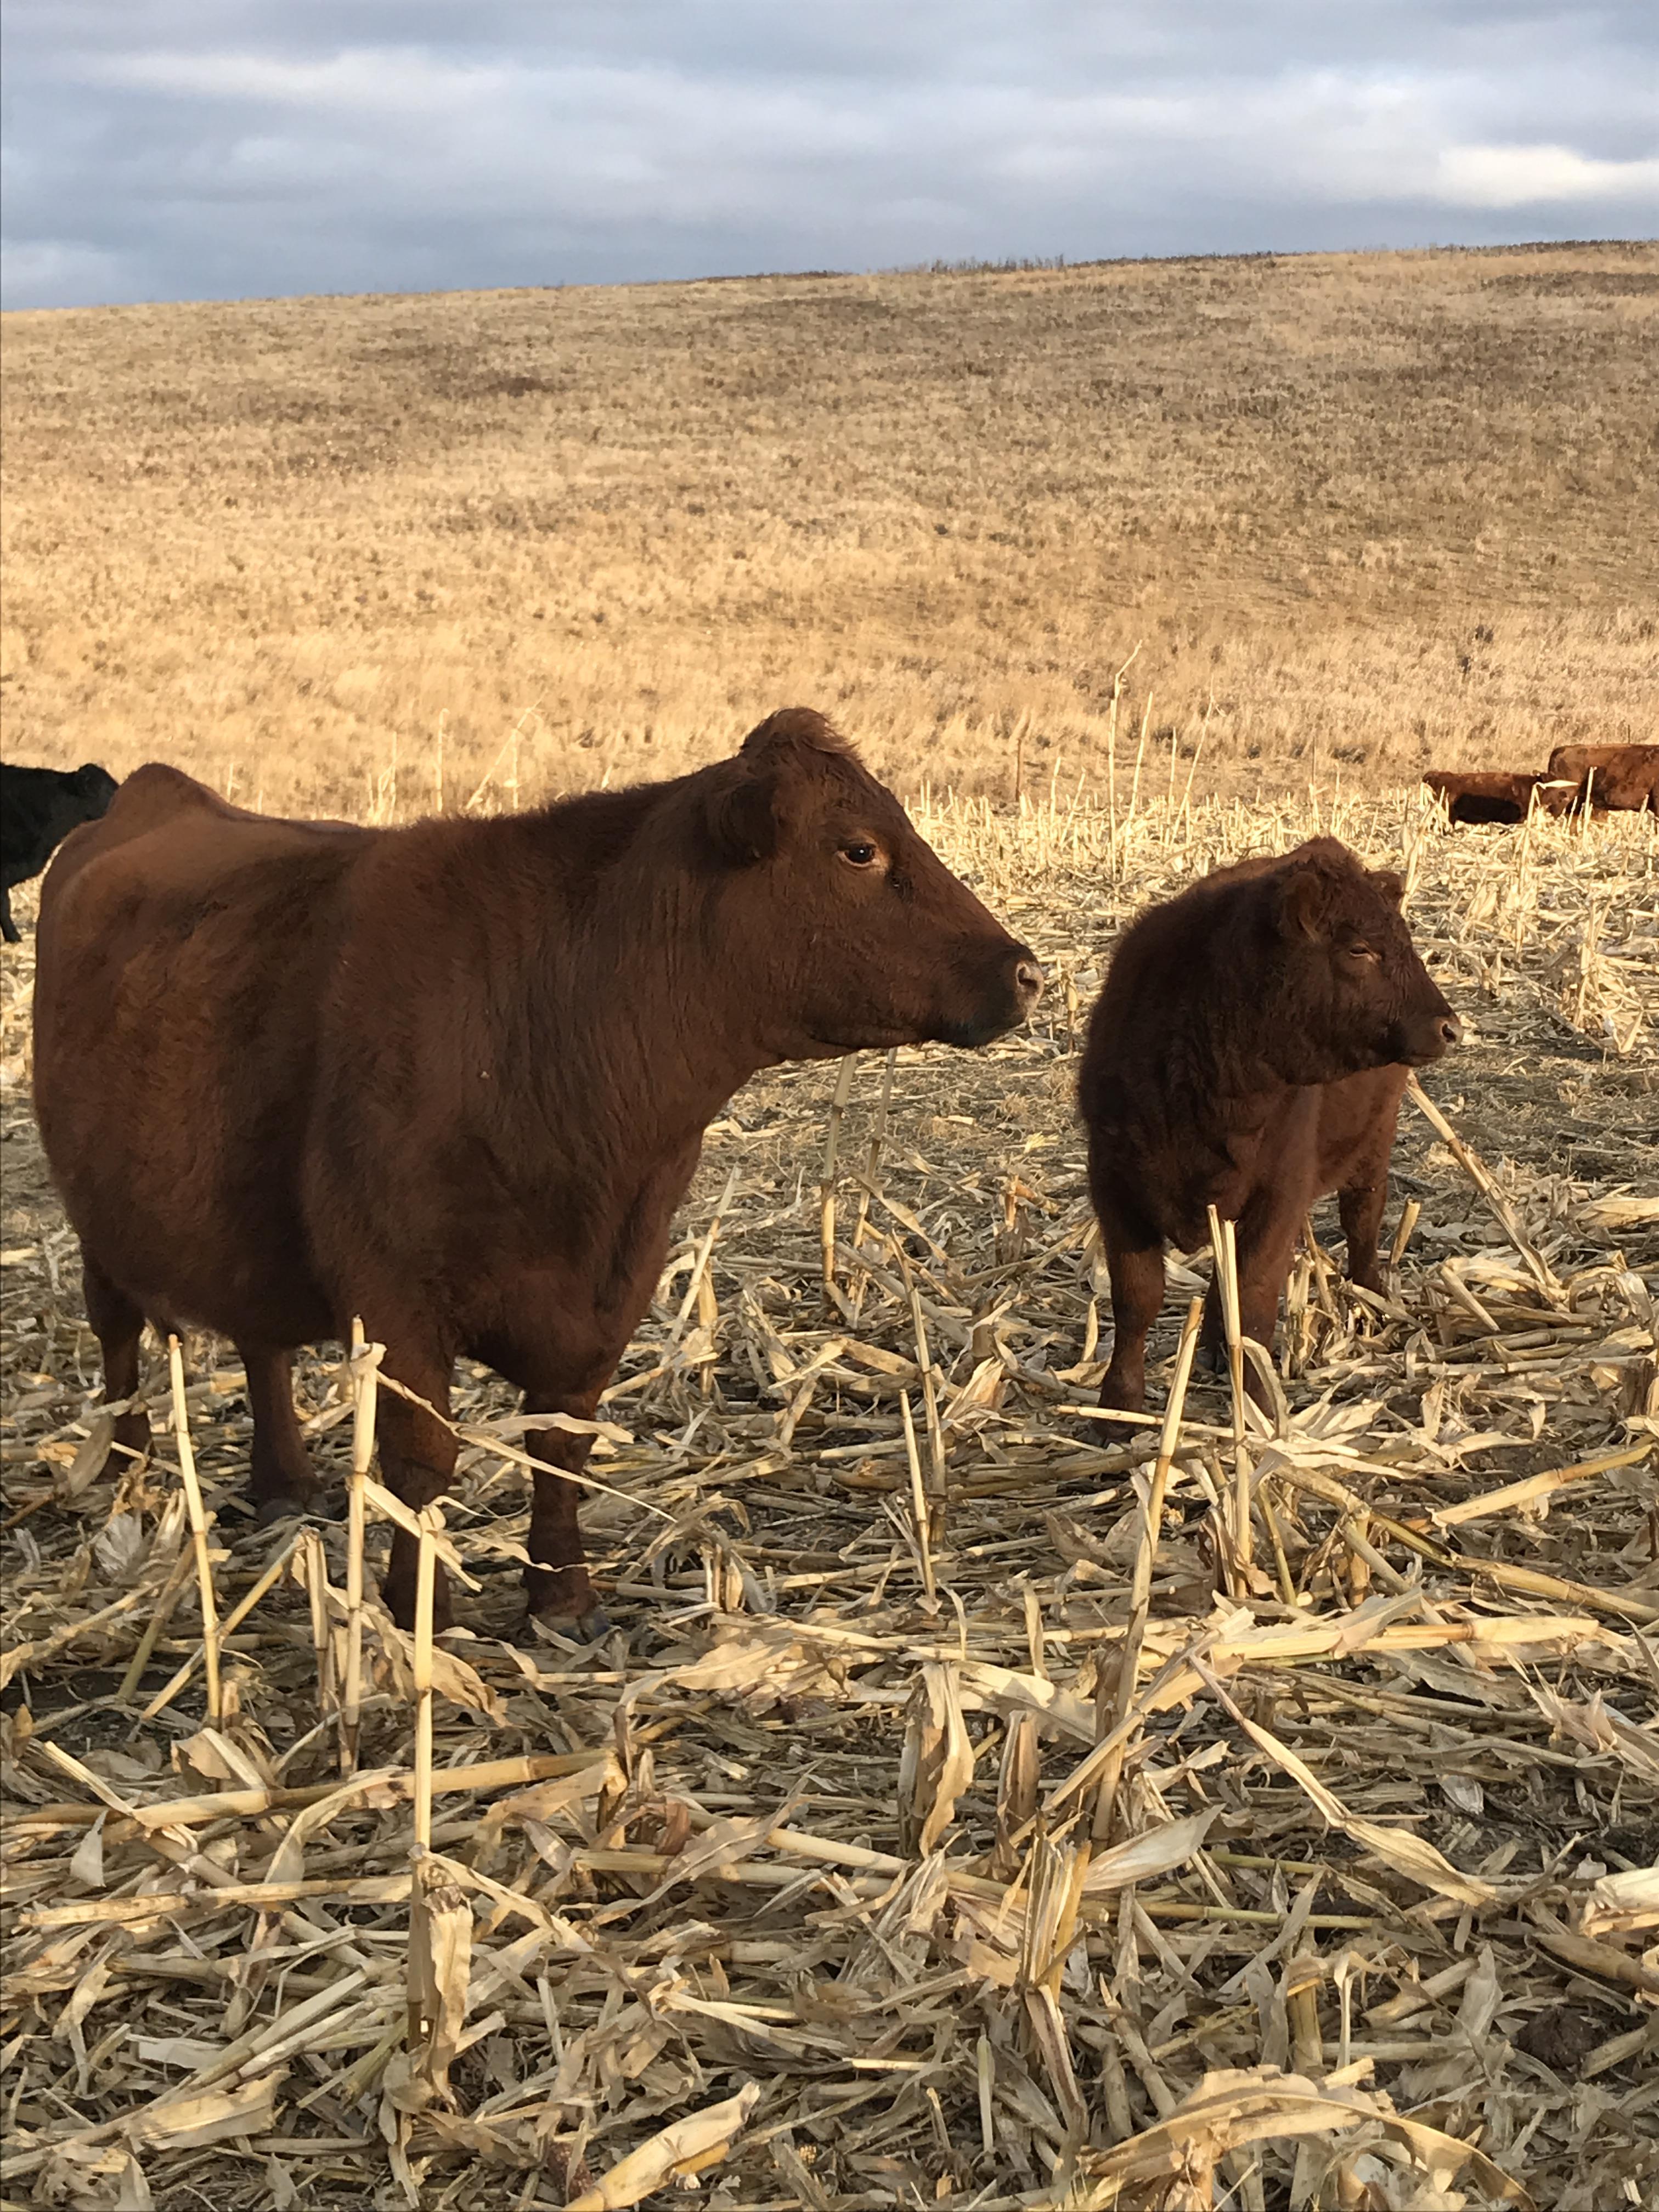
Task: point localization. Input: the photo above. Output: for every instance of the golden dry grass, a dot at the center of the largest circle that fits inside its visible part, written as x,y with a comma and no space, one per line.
1358,511
1381,1867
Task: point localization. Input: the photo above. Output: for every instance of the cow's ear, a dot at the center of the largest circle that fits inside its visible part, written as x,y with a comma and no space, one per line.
1302,898
740,815
1392,886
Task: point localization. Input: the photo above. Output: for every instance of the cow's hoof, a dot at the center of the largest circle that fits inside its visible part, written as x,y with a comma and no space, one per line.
1210,1359
588,1627
286,1507
1113,1432
403,1617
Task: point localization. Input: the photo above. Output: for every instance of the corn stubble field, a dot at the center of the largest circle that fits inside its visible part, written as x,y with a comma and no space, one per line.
959,1812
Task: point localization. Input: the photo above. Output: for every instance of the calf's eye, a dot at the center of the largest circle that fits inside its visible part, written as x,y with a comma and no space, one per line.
860,852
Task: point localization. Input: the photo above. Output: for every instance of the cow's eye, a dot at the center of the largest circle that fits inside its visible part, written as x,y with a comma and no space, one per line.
1363,952
860,852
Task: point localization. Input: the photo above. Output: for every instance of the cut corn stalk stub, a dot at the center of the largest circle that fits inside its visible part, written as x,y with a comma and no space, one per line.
676,2148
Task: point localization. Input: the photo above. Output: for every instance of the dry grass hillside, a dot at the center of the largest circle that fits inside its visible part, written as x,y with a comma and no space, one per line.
1355,511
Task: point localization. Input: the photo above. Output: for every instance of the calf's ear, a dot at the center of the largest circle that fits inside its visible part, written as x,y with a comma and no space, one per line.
794,730
1301,903
739,814
1391,886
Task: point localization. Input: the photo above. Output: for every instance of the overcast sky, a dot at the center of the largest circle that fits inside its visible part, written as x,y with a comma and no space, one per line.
161,149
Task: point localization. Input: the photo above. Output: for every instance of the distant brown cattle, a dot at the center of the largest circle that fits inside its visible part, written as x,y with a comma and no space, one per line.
1248,1051
1493,797
1619,778
453,1077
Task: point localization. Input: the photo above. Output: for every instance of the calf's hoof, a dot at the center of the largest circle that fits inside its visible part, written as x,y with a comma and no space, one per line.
397,1596
132,1434
1211,1358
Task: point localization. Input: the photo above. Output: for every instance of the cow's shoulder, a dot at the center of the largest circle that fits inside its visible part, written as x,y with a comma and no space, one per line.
166,836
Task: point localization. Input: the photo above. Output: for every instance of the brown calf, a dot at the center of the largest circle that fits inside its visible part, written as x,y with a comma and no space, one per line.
1619,778
454,1078
1248,1051
1493,798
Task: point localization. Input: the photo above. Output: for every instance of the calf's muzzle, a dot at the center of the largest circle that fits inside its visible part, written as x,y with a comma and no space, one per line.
1427,1037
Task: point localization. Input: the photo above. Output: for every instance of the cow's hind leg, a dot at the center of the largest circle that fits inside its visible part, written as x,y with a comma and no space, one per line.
117,1324
282,1482
8,929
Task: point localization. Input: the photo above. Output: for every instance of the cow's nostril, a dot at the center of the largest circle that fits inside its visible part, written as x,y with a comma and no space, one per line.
1029,976
1451,1030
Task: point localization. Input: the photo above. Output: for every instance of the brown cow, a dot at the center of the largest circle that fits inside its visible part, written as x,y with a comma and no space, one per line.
1494,797
1249,1051
1618,778
453,1077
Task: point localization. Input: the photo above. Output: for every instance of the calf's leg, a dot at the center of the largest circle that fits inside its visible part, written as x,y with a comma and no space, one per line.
1265,1243
1360,1205
117,1324
1137,1274
1363,1193
8,929
281,1482
1212,1355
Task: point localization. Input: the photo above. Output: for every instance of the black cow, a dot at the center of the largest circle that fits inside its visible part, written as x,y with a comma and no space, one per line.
39,807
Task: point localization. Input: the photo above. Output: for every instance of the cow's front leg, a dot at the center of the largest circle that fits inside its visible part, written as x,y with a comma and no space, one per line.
417,1457
282,1479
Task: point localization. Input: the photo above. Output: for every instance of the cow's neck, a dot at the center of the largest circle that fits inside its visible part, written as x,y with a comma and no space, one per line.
654,1029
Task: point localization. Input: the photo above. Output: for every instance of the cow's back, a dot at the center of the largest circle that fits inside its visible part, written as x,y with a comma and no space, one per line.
1617,775
1211,922
183,948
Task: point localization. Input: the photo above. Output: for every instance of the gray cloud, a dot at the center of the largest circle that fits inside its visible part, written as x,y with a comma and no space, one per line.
184,149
